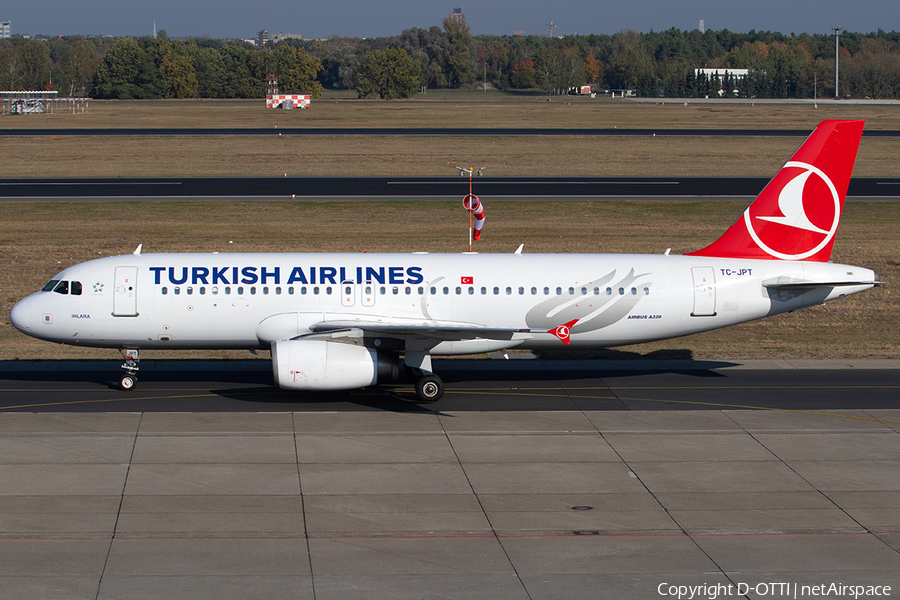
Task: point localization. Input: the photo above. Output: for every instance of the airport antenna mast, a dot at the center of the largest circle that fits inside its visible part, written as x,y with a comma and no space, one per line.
837,36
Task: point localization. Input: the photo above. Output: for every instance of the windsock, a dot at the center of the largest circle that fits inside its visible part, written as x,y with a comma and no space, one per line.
473,204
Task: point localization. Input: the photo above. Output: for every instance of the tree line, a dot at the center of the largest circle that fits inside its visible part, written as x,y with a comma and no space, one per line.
652,64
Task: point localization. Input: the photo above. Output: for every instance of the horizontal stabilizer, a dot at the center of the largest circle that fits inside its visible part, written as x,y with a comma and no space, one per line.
793,285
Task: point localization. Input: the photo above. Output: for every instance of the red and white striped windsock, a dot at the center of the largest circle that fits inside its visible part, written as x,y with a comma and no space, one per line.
473,204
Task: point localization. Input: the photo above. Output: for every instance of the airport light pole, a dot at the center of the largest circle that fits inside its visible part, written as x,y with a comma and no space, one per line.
837,36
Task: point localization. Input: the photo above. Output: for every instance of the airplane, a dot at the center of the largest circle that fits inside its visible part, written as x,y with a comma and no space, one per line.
341,321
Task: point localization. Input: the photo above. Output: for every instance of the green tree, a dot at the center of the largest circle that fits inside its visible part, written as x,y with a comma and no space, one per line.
389,73
128,71
296,71
209,70
460,70
177,72
34,65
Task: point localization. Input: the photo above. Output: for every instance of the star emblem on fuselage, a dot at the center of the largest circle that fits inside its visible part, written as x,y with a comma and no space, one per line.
98,287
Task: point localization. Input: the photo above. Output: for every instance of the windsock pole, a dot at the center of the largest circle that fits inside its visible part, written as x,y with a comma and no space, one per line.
471,168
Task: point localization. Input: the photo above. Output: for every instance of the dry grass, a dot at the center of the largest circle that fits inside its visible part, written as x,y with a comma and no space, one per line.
38,240
411,156
457,109
400,157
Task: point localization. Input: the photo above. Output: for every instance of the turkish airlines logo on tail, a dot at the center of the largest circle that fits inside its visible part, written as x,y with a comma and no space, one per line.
802,219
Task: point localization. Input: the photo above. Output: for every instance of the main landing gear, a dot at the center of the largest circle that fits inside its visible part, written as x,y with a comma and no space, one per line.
429,388
129,379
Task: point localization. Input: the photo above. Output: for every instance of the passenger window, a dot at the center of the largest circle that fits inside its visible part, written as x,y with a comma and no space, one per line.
328,290
596,291
571,291
278,291
421,291
227,290
253,290
202,291
177,290
584,290
621,291
240,291
265,290
609,291
559,291
496,291
303,291
215,290
395,290
62,287
76,288
316,290
190,291
471,290
483,291
634,291
534,291
164,290
646,291
446,290
291,291
521,291
408,290
348,290
433,290
508,291
49,287
381,291
458,290
546,291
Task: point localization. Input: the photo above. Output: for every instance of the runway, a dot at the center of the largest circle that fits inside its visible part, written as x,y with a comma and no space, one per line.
530,480
418,132
523,383
404,188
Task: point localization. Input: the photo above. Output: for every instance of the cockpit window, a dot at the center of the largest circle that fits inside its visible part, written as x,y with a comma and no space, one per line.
63,287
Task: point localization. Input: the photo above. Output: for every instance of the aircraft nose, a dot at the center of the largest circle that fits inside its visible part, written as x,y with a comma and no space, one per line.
21,316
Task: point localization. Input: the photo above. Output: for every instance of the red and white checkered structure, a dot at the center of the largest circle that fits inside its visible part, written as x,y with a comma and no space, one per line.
298,100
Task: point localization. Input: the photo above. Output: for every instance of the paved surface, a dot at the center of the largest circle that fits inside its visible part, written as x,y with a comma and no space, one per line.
470,503
523,383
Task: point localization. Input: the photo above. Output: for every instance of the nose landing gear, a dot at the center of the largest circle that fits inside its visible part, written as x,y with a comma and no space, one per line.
129,379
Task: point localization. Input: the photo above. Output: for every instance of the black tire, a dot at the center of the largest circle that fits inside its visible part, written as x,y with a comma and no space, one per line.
127,382
430,388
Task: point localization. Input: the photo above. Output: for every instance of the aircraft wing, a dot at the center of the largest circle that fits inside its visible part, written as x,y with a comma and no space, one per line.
444,331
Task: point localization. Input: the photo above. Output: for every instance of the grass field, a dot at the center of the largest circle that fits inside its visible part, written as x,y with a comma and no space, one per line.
409,156
37,240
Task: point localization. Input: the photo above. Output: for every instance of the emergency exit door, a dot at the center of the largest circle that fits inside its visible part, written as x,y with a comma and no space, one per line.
125,292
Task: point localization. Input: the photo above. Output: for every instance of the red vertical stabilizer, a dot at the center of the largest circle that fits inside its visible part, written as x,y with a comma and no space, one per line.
796,216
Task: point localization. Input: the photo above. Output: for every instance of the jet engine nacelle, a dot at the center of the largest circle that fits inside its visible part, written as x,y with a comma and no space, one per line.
317,365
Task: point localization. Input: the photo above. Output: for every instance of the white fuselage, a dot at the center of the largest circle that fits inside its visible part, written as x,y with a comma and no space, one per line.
251,300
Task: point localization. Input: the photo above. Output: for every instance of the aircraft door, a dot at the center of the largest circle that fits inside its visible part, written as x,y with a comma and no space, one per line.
704,292
368,294
125,293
